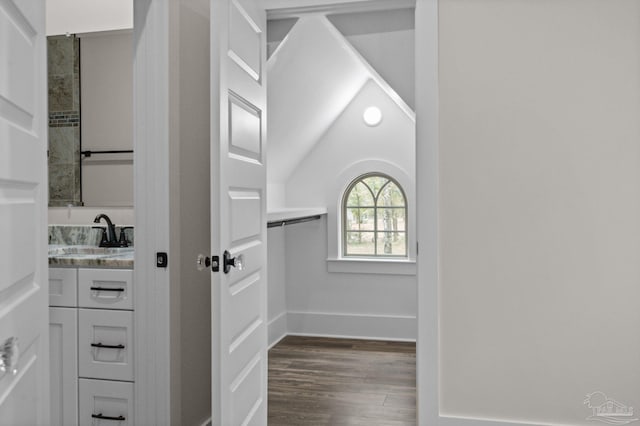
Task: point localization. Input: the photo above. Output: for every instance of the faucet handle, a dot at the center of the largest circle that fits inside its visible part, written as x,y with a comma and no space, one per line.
123,238
104,241
123,235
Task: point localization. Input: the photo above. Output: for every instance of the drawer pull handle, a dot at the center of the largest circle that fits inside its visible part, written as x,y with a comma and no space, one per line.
118,289
100,345
101,417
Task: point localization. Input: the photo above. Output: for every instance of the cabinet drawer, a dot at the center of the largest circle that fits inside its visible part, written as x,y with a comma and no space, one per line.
105,403
105,288
105,344
63,284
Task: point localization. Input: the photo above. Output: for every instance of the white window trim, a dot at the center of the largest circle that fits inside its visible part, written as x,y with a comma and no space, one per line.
376,208
372,265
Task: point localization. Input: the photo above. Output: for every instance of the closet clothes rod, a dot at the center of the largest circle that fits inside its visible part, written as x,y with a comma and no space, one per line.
285,222
89,153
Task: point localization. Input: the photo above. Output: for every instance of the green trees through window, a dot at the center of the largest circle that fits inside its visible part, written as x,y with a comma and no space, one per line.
374,218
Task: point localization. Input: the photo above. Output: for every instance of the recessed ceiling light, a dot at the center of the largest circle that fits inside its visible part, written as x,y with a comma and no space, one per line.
372,116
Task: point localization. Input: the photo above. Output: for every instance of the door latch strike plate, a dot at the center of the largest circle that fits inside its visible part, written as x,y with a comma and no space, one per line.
215,263
162,259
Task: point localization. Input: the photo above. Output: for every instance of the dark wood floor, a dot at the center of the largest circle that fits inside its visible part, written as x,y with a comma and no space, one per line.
339,382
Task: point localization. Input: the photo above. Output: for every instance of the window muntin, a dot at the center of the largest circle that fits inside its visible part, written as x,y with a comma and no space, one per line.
374,218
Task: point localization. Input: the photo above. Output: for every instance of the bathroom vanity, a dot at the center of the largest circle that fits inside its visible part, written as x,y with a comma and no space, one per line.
91,302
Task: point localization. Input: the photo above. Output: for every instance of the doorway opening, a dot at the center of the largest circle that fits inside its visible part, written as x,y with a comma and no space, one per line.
325,70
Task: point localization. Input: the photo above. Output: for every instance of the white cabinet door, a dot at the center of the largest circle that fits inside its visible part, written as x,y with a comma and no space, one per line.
105,344
238,223
63,343
105,403
63,287
24,322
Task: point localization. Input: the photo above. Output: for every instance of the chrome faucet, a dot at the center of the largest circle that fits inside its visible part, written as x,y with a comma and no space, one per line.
109,235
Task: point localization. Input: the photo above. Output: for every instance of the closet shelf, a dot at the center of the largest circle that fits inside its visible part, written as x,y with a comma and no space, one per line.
286,216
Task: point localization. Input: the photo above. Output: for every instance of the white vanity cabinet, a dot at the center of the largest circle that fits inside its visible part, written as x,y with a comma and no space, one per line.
105,344
105,288
92,346
106,402
63,343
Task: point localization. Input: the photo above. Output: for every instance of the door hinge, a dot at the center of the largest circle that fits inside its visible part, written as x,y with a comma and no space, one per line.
215,263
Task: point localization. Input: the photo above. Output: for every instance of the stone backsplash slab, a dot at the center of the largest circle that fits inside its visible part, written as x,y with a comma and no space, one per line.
83,235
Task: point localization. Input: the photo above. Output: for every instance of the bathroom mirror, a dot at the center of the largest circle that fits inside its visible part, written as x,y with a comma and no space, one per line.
90,80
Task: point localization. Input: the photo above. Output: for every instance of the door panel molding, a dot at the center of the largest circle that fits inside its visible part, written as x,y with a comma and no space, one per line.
241,50
24,320
238,211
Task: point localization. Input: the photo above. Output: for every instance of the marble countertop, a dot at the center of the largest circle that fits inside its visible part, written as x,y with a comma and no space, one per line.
91,256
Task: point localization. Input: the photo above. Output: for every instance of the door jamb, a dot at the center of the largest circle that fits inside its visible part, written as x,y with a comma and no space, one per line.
427,140
151,200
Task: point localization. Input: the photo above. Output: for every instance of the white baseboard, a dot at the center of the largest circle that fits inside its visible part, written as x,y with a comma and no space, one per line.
277,329
377,327
207,423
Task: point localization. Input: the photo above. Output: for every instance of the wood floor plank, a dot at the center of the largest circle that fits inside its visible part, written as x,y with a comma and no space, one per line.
338,382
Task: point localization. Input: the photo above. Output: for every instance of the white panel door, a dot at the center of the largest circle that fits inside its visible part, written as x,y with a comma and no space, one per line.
24,319
238,182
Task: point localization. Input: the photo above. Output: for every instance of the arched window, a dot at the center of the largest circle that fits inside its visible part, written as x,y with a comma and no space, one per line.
374,217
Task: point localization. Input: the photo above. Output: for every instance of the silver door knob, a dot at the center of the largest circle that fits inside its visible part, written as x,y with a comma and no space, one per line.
202,262
236,262
9,355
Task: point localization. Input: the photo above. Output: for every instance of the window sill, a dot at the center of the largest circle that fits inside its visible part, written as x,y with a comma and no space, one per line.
372,266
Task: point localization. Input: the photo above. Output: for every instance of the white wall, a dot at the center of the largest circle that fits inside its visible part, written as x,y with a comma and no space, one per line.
277,30
349,141
276,291
342,304
82,16
348,304
106,80
540,207
85,215
300,112
314,50
283,4
385,39
377,37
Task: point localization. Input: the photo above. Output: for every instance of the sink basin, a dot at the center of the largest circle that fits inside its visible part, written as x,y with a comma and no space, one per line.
78,251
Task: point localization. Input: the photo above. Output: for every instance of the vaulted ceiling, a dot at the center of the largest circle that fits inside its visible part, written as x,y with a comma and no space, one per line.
312,76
